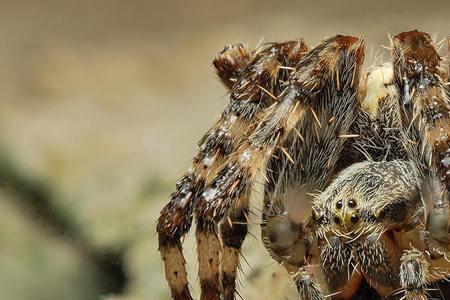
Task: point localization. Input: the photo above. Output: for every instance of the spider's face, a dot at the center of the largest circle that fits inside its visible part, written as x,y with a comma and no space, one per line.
352,206
345,213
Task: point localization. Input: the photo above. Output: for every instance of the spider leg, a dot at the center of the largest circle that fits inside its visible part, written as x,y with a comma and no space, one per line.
413,274
306,286
305,163
176,217
425,114
233,231
261,81
234,226
333,65
248,96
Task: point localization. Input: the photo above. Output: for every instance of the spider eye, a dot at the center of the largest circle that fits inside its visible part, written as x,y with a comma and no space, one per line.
352,203
339,204
337,220
354,219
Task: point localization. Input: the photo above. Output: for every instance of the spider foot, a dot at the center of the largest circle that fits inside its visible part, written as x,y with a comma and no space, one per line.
231,62
306,286
413,270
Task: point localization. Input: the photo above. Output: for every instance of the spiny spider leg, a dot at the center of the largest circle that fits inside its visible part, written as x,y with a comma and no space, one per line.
261,83
277,59
254,80
305,163
425,109
332,66
233,231
413,274
306,286
176,217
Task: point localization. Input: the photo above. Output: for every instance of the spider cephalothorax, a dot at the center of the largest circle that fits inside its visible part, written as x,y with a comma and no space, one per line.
356,168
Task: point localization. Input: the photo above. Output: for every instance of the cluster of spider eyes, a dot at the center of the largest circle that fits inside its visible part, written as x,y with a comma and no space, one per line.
351,203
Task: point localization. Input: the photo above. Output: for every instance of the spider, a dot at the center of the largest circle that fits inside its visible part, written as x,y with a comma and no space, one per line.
355,164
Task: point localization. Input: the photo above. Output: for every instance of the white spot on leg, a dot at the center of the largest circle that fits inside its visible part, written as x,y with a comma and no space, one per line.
185,199
210,194
245,156
406,91
446,161
208,161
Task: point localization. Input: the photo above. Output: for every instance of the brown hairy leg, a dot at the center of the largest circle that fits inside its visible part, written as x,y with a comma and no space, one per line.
233,231
176,217
413,275
255,76
333,65
261,82
305,163
425,108
234,226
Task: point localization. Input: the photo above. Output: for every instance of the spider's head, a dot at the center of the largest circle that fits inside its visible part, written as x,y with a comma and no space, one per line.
367,197
342,215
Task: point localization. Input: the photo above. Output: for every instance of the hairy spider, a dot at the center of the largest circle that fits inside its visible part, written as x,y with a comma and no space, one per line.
356,167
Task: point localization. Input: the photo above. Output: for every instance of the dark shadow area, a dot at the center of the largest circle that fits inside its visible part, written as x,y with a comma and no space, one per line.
35,198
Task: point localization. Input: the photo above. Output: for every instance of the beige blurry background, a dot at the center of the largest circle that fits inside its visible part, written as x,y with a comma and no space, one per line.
102,103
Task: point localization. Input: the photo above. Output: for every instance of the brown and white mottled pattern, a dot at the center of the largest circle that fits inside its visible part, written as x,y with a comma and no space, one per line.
356,171
306,90
259,86
425,104
253,78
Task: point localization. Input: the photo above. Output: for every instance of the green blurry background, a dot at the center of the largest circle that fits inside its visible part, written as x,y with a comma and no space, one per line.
102,103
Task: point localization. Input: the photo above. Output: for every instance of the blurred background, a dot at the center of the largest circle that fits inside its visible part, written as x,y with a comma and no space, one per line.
102,103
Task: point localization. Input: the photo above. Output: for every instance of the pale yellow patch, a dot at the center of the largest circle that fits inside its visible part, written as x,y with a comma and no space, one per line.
377,87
